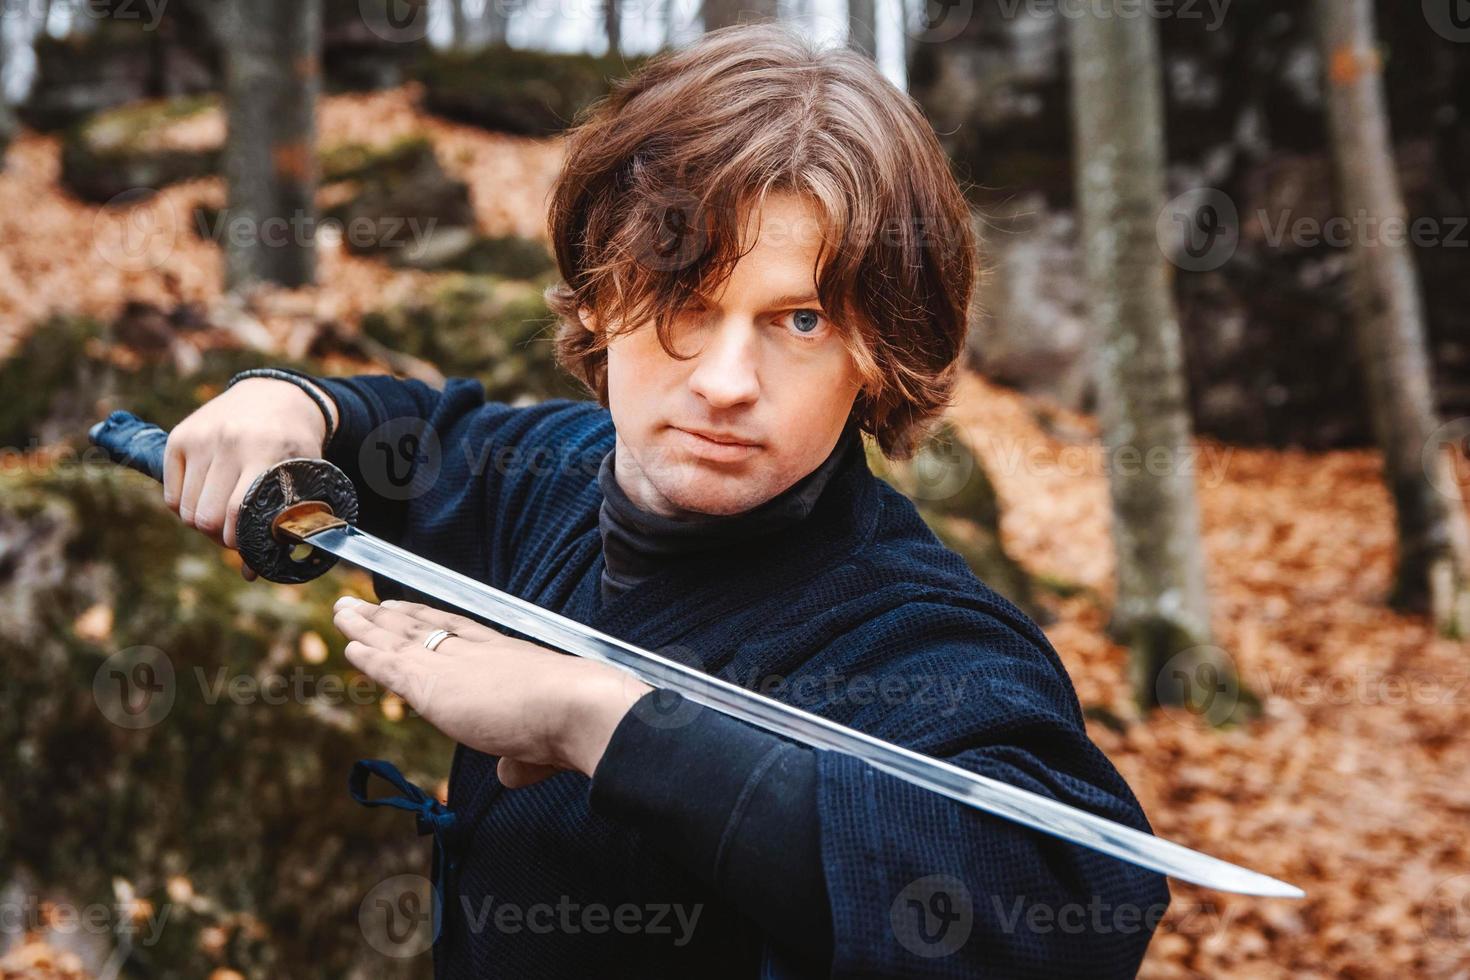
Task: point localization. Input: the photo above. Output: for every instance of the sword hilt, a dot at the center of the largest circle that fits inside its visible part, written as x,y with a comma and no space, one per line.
130,441
284,505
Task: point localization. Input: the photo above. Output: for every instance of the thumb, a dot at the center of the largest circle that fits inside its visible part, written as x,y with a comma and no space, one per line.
513,774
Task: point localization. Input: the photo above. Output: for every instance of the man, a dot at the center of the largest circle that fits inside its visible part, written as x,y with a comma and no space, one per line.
764,255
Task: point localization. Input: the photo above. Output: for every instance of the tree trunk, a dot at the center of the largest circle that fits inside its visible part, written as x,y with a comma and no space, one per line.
493,24
724,13
611,20
272,76
1434,542
1162,610
459,26
862,26
8,123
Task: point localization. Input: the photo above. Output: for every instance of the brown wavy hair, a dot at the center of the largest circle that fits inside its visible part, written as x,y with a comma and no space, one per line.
658,176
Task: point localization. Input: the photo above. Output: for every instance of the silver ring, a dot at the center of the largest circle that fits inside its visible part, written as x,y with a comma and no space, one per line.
437,637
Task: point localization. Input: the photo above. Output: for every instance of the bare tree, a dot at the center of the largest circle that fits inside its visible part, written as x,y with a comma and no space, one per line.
862,26
8,123
1162,608
272,78
1434,542
724,13
612,22
493,23
459,25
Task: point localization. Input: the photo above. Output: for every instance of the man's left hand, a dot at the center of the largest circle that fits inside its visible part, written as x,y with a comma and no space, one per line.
541,711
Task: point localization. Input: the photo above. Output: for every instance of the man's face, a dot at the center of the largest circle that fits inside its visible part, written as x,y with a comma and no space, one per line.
763,400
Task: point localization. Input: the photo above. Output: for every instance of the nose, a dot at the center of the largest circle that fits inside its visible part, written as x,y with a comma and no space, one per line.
725,370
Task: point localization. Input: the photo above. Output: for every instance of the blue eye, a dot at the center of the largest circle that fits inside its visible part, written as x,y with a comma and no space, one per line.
807,322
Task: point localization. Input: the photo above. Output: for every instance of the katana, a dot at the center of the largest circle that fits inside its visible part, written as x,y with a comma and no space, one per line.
295,522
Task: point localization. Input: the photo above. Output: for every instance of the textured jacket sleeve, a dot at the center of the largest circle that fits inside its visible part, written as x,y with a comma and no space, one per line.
923,886
735,804
390,438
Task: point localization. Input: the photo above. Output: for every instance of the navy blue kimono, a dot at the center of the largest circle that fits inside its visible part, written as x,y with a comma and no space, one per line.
859,614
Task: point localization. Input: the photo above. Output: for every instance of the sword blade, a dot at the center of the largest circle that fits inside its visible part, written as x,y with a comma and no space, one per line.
981,792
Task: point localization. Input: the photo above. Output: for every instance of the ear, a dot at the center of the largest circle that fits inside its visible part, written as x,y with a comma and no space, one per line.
588,319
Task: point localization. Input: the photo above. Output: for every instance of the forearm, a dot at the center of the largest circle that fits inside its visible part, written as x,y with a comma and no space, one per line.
734,804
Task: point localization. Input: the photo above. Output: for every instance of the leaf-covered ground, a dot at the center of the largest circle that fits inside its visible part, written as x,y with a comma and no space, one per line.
1354,782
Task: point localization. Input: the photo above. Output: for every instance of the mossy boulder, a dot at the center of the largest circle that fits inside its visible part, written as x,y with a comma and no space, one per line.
513,90
362,49
507,256
70,372
170,731
141,147
402,198
141,52
948,484
496,330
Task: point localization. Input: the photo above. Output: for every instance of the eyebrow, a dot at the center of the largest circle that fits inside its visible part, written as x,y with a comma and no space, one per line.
788,300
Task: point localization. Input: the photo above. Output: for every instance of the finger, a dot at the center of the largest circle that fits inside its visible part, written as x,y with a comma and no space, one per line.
357,626
232,510
405,628
195,473
513,773
247,573
214,499
173,473
383,666
441,620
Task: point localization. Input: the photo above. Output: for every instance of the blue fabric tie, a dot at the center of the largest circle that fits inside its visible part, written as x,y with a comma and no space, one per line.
430,817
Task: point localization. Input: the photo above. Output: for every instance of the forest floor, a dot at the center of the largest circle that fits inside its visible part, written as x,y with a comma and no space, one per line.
1353,783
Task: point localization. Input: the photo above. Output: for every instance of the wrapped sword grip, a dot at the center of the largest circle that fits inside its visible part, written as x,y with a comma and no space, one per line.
139,445
131,442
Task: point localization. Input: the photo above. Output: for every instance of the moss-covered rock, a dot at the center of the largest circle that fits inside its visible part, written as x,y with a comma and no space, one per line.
362,49
511,90
492,329
70,372
507,256
142,146
169,730
948,484
403,198
144,51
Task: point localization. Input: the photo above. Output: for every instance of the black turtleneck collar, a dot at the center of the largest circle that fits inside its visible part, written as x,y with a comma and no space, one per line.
638,544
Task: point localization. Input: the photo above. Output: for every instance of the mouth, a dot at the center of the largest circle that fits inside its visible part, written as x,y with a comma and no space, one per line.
717,446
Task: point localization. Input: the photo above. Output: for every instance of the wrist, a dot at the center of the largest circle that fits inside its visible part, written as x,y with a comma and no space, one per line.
321,399
312,413
596,701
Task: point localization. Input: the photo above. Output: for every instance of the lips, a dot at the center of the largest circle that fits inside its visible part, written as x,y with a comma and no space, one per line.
723,438
716,447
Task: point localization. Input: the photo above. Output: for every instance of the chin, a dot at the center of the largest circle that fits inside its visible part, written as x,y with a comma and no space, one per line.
695,488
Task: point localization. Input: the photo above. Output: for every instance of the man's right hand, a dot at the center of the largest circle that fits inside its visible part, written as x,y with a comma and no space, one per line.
213,456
